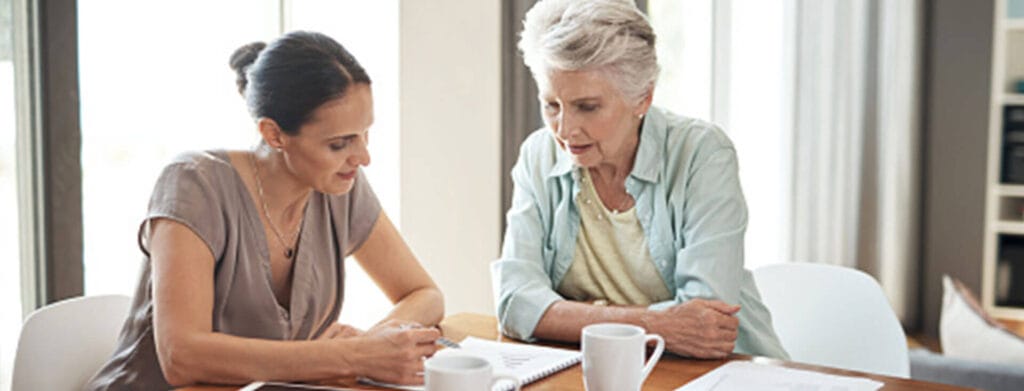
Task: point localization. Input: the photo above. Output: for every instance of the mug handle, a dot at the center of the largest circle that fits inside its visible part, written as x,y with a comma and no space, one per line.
660,348
515,382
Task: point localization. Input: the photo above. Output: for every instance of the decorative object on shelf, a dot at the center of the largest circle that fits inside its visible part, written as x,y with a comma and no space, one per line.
1013,144
1009,283
1020,86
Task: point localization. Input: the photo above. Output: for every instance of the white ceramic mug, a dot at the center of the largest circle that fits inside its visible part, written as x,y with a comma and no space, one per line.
613,356
461,373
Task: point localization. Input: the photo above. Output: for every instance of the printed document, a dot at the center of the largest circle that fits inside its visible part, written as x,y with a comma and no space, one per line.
746,375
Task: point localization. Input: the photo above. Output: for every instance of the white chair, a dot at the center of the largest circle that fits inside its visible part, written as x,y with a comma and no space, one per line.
834,316
63,344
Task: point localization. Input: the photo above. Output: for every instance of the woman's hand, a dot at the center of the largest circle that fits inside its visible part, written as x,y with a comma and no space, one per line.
697,328
339,330
393,352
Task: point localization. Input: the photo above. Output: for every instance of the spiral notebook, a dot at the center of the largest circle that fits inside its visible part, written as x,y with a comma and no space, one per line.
528,363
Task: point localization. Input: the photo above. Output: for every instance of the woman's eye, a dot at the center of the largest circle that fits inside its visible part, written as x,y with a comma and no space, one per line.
339,145
588,107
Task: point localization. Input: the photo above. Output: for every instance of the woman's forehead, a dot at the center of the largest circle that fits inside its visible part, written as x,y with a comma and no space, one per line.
351,113
571,85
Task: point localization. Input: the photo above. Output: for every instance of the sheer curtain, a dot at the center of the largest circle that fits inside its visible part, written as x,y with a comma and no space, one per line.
855,176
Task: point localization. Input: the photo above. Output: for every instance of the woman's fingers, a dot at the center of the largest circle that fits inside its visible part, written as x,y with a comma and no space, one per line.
346,331
723,307
425,335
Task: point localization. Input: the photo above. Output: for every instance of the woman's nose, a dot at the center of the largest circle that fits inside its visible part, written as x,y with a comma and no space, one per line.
566,126
362,155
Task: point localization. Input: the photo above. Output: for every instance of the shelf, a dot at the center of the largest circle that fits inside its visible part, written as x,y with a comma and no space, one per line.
1011,190
1015,24
1013,99
1007,313
1010,227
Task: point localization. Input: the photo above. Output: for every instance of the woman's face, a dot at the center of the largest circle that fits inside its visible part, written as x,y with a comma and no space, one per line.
333,144
589,116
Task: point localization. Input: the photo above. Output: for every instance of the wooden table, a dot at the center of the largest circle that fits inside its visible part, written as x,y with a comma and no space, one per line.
670,373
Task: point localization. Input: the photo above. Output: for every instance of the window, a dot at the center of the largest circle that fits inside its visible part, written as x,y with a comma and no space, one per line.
155,82
169,90
733,52
10,271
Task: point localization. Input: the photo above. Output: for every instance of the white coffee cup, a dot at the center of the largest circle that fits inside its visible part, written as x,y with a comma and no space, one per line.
461,372
613,356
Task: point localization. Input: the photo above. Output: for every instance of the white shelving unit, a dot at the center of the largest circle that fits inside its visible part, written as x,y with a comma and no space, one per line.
1013,99
1004,208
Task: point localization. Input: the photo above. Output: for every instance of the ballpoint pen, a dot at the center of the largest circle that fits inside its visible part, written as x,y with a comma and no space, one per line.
440,341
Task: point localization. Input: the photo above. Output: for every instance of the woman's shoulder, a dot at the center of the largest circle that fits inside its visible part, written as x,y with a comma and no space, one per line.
539,151
539,142
689,144
211,164
691,134
209,159
198,169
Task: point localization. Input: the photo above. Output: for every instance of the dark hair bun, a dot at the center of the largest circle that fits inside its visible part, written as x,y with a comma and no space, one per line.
241,59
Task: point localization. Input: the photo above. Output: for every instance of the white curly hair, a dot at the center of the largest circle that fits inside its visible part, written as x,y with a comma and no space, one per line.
608,35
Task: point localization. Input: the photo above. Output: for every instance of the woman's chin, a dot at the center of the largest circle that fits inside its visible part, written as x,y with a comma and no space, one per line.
337,189
585,161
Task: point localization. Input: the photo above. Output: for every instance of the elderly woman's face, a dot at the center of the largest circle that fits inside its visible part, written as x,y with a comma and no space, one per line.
589,116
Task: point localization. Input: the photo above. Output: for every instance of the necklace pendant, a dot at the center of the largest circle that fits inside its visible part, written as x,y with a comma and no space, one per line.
288,252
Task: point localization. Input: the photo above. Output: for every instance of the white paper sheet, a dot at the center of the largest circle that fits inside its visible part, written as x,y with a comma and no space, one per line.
746,375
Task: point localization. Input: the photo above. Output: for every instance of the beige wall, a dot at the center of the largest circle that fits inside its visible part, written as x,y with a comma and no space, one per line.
450,143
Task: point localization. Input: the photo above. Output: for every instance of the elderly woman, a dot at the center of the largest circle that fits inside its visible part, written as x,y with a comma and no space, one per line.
622,212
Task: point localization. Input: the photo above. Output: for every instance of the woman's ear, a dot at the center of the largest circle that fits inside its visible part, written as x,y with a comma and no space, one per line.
645,103
271,132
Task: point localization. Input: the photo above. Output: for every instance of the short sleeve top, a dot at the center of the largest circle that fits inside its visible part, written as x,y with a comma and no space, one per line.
204,192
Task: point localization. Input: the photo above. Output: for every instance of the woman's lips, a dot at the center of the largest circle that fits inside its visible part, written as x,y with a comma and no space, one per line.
579,149
347,175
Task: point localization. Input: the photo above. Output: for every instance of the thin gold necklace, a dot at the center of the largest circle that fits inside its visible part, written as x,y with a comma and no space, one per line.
622,205
289,250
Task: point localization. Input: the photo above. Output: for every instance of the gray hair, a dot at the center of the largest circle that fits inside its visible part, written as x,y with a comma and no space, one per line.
608,35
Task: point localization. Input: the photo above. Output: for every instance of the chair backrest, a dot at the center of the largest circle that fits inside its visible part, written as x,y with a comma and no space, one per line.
63,344
833,316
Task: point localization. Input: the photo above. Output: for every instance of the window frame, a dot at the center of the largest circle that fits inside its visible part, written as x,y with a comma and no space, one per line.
48,149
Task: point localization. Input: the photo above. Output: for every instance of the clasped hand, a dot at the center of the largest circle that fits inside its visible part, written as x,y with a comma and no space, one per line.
697,328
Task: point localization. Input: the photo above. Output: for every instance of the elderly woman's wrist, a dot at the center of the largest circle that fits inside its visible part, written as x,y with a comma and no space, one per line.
648,320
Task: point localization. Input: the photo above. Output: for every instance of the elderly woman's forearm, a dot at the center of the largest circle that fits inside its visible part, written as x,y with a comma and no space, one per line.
564,320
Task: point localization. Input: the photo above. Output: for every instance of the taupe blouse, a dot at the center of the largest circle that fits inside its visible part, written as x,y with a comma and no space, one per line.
203,191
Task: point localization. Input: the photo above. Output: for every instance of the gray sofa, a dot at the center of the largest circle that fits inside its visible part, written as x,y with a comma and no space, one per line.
934,367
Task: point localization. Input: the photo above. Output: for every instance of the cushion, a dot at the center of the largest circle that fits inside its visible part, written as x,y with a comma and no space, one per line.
967,331
928,366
